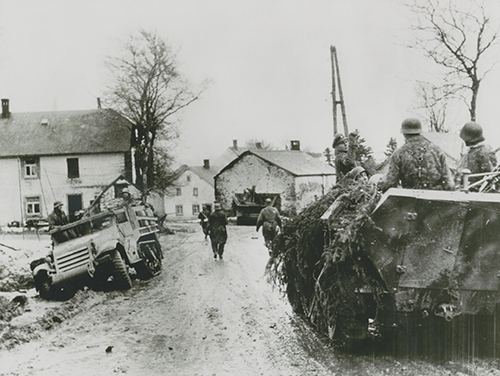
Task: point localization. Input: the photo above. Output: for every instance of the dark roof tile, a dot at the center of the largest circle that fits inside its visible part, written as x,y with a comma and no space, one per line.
67,132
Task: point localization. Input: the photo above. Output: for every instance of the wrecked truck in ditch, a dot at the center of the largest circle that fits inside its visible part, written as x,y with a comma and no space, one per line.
416,266
98,249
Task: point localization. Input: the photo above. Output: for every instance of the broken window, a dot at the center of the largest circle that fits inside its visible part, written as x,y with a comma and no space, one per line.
73,168
30,167
33,206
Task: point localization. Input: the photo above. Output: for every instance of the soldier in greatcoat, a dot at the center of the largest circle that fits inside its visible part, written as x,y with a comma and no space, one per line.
269,219
217,222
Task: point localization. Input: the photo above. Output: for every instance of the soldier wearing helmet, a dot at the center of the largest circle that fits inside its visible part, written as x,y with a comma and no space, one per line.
480,158
343,162
57,217
217,222
269,219
418,164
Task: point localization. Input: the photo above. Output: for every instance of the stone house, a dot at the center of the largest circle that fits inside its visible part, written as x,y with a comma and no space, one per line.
192,189
67,156
294,175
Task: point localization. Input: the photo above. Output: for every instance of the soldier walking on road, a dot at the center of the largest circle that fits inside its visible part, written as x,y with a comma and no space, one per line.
57,217
269,219
203,217
217,222
418,164
480,158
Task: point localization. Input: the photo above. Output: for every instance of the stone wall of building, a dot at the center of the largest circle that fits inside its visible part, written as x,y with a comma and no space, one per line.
250,171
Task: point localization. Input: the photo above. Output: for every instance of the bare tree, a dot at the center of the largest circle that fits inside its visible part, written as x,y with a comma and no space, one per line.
433,100
148,90
456,36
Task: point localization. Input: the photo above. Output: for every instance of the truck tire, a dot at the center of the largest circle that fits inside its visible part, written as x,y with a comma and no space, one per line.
120,273
151,265
99,281
44,287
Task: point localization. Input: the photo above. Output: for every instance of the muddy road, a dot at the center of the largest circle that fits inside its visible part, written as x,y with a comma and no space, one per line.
203,317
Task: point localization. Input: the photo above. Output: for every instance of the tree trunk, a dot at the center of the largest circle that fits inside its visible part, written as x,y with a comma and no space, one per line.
473,100
138,168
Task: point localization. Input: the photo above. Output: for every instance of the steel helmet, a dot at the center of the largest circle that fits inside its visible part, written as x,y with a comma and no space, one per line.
356,172
338,139
471,133
411,126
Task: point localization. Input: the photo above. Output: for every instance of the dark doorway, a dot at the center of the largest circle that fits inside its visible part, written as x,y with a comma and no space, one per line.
74,205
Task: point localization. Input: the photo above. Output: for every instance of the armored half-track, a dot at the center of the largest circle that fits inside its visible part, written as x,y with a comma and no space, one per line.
437,254
99,248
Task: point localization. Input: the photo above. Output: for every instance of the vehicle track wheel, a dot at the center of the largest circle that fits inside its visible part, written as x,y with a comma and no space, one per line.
121,277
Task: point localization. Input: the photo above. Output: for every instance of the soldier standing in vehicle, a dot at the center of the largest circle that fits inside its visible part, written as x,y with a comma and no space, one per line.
418,164
57,217
217,222
480,158
269,219
343,162
126,196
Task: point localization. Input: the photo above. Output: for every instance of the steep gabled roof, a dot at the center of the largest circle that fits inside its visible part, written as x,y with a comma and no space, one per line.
227,157
203,173
64,132
206,174
177,173
295,162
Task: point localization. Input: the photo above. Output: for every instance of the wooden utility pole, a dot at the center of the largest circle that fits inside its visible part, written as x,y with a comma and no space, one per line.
340,101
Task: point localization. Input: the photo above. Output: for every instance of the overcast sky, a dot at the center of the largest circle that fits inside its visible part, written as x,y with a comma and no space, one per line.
267,62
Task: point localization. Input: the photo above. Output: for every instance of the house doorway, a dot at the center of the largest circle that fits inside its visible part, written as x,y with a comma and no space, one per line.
75,204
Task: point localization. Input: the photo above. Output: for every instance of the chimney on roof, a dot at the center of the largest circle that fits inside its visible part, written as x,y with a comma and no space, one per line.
235,144
206,164
258,145
295,145
99,103
5,108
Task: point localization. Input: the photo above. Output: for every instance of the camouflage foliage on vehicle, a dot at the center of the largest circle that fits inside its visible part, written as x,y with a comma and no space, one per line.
320,264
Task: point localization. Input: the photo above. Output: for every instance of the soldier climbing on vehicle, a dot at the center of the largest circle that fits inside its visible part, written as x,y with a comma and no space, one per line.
418,164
